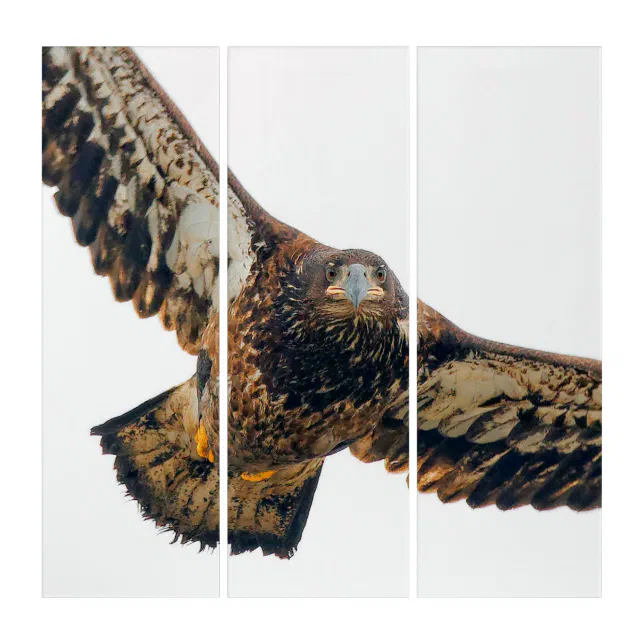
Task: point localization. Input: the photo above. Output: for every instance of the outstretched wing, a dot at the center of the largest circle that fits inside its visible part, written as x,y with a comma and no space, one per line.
503,425
253,236
497,424
139,186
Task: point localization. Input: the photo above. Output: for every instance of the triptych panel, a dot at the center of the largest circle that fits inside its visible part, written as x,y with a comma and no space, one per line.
509,249
319,138
315,429
116,154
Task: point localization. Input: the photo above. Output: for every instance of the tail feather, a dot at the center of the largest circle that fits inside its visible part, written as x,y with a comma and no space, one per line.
156,460
272,514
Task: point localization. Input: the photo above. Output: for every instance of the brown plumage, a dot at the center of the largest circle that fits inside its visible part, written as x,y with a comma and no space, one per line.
498,424
142,192
318,339
505,425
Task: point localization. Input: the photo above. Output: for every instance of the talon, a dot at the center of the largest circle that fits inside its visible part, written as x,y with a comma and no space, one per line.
202,443
259,476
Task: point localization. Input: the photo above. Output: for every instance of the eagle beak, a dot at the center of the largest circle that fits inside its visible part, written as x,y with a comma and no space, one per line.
357,285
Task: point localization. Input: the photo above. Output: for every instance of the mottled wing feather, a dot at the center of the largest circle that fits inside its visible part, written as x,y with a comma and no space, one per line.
253,236
503,425
389,441
139,186
497,424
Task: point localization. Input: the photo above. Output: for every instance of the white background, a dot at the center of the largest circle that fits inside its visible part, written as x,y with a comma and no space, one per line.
508,173
614,25
319,137
99,361
509,248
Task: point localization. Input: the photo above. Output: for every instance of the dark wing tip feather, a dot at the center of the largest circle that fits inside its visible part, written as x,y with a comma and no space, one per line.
117,178
505,425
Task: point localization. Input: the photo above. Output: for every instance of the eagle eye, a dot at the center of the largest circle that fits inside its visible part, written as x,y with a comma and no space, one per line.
331,274
381,274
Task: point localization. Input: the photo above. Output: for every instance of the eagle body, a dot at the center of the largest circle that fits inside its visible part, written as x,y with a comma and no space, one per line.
318,339
305,384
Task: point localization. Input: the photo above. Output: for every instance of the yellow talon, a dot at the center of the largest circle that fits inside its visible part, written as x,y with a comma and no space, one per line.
260,476
202,443
211,456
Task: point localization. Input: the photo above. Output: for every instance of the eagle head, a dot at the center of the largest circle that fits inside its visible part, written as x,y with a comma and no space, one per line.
350,285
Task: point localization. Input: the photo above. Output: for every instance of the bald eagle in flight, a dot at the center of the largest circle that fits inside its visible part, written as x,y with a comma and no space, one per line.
318,339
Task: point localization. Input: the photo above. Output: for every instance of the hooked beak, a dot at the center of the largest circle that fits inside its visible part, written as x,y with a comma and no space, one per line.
356,286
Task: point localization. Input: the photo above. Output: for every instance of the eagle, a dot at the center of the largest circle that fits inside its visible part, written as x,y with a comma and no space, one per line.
318,339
